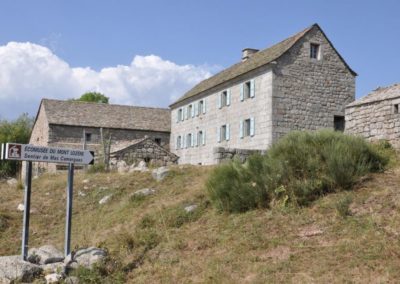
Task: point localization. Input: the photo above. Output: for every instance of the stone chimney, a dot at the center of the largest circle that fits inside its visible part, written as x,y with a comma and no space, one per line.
247,53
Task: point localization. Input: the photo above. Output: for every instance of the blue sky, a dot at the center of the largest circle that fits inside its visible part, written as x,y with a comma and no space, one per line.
151,52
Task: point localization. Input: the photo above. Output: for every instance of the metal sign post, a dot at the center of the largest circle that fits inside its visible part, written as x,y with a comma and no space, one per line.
32,153
27,209
70,189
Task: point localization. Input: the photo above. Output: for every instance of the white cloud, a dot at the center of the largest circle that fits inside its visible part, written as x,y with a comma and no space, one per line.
30,72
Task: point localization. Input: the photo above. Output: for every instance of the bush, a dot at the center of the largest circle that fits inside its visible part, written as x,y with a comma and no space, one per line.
97,168
299,168
233,187
343,206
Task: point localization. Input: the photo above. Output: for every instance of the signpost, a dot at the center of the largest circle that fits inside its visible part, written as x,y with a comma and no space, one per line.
32,153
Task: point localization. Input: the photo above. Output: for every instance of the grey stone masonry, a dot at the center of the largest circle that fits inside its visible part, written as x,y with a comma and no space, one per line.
301,83
376,116
222,154
145,150
309,92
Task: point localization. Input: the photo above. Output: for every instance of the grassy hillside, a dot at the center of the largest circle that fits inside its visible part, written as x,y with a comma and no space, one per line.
351,236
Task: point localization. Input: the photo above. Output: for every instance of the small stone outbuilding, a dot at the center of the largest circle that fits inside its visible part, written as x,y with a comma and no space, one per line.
376,116
144,149
82,125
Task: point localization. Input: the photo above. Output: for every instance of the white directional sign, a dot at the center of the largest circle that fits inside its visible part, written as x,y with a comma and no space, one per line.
2,152
26,152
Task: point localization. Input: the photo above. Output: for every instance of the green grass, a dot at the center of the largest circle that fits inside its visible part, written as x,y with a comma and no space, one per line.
156,241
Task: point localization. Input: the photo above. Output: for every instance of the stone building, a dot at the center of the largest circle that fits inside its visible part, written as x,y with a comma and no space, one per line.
376,116
74,124
299,83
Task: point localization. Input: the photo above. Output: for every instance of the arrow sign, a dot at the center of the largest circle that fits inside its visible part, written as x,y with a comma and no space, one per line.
26,152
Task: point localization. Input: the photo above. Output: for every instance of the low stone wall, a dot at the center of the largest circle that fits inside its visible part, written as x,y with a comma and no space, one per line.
222,154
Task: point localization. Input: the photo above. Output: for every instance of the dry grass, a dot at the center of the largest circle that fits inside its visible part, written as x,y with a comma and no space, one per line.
154,243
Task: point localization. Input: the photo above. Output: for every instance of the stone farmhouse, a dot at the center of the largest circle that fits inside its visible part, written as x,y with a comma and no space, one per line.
299,83
74,124
376,116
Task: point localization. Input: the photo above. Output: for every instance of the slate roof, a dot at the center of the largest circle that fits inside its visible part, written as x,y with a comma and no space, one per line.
77,113
380,94
258,59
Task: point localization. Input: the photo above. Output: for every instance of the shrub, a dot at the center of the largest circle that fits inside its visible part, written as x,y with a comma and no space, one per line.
299,168
343,206
234,187
97,168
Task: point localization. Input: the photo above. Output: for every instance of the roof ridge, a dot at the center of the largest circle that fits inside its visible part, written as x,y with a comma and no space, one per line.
91,103
294,38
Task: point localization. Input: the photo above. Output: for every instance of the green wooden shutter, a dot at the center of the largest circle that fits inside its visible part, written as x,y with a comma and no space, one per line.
204,106
241,128
204,138
228,97
218,134
252,89
242,92
228,132
219,100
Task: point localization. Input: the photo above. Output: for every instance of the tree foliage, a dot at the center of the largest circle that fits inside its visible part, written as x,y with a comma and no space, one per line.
17,131
94,97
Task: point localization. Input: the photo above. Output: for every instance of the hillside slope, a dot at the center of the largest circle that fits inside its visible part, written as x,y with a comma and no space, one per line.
153,240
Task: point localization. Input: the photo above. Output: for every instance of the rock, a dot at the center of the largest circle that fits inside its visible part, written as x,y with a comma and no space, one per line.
144,192
105,199
71,280
45,255
160,173
86,181
53,278
122,167
14,269
191,208
57,267
12,181
141,167
81,193
21,207
85,187
89,256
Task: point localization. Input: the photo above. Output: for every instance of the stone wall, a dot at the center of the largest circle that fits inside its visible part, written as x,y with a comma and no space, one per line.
73,135
375,121
308,92
258,108
145,150
222,154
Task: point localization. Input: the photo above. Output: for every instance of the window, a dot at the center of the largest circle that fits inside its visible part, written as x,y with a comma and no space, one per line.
179,142
223,133
247,127
190,111
201,107
157,140
224,98
180,115
338,123
314,51
88,137
201,138
189,140
396,108
247,90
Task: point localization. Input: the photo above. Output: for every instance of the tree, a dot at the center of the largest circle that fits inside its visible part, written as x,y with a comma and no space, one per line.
94,97
17,131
